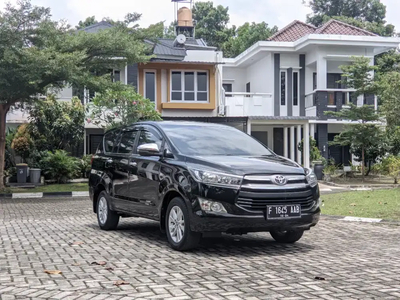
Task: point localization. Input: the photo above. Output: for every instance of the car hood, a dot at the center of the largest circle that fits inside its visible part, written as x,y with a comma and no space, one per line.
242,165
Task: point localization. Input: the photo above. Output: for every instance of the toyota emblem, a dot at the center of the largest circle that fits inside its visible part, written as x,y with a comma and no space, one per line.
280,180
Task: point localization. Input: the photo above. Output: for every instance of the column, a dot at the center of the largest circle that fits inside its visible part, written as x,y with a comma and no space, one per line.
298,141
306,150
321,73
249,127
292,144
312,130
285,142
84,142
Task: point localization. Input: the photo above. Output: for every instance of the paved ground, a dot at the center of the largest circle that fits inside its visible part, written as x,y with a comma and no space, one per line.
358,260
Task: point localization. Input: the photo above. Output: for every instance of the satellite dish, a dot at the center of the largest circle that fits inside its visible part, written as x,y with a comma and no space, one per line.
181,39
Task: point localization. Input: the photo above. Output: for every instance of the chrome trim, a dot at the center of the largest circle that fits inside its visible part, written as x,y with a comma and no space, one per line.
275,187
271,177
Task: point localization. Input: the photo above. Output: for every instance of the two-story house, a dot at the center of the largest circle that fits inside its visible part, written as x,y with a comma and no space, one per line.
284,85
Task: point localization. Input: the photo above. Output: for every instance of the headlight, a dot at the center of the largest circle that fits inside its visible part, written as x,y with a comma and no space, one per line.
211,206
311,178
216,179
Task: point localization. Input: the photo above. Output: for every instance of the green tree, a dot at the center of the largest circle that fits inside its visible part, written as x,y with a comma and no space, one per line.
87,22
122,106
212,23
246,36
56,125
362,135
367,14
37,53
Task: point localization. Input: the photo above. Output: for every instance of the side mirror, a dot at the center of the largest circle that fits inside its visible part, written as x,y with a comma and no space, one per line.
149,150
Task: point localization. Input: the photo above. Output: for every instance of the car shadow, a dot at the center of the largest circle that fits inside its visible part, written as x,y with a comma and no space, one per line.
252,244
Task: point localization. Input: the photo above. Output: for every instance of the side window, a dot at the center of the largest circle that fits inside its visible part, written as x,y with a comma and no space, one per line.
127,142
150,137
110,141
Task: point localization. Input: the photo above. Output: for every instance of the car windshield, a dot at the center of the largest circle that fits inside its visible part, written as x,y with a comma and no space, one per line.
204,140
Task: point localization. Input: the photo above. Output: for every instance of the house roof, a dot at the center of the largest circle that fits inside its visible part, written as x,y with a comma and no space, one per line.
298,29
97,27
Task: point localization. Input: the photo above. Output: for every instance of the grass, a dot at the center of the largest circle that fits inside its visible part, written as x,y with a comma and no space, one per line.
368,180
381,204
50,188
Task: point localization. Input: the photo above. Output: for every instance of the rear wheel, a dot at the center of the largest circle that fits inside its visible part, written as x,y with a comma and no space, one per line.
179,235
287,236
107,219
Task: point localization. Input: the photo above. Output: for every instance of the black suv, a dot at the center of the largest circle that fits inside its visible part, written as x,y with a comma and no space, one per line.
197,178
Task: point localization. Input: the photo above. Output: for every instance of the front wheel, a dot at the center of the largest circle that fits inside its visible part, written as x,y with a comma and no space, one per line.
179,235
287,236
107,219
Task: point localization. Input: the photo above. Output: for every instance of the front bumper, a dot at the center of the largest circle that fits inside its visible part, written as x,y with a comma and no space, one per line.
241,224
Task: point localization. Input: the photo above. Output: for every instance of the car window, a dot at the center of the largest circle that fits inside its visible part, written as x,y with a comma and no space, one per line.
150,137
110,141
127,142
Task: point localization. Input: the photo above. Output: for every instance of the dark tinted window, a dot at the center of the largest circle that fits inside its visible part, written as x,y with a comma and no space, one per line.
110,140
151,86
213,140
127,142
149,137
176,81
283,88
295,88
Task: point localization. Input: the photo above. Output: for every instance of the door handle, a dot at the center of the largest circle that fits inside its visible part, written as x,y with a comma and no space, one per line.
133,164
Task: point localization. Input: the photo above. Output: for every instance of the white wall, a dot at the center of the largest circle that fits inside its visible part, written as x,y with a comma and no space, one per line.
200,55
65,94
290,60
260,75
333,66
235,76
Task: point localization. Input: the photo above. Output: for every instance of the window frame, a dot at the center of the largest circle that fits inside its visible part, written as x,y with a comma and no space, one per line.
298,87
280,87
196,91
117,133
155,84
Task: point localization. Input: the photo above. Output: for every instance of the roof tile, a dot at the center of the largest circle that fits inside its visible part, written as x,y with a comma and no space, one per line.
292,32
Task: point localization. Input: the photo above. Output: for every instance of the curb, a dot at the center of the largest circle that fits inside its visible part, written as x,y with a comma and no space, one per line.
43,195
361,187
360,219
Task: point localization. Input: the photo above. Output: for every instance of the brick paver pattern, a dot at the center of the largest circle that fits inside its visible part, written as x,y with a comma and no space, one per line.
357,260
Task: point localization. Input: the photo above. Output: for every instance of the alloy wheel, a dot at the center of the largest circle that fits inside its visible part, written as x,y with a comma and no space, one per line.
176,224
103,210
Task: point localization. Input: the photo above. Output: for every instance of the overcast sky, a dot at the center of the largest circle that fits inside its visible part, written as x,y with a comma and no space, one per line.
274,12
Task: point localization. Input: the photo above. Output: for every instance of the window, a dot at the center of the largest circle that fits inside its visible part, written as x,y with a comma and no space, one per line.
334,81
110,140
283,88
150,85
248,87
314,81
117,76
295,88
150,137
189,86
228,88
127,142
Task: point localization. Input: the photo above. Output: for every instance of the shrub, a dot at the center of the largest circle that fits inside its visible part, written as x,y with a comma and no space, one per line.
85,165
60,166
22,142
391,167
37,159
315,154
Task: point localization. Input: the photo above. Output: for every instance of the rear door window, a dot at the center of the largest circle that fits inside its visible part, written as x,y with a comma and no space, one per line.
150,136
127,142
110,141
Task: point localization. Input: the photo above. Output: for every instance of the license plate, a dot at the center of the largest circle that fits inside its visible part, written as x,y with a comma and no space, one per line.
283,211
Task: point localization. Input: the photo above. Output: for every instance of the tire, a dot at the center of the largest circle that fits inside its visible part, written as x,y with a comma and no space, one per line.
177,226
107,219
287,237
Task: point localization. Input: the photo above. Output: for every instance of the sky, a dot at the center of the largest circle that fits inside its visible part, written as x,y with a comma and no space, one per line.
273,12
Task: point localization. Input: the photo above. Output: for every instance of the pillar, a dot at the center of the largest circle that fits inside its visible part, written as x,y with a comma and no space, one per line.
298,141
321,73
312,130
292,144
84,142
306,150
285,142
249,127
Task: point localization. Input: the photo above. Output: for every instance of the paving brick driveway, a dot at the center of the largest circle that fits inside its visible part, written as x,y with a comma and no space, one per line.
359,261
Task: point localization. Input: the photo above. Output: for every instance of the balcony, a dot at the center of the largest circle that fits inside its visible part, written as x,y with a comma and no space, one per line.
248,104
320,101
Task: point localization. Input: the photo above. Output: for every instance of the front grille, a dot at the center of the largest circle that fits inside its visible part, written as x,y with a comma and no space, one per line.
259,191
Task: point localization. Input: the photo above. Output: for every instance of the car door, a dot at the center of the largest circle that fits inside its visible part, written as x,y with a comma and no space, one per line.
145,189
124,166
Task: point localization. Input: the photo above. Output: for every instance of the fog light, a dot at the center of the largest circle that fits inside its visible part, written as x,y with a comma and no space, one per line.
211,206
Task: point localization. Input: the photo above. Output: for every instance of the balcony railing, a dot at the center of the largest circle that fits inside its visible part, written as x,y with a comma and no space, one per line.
336,99
248,104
